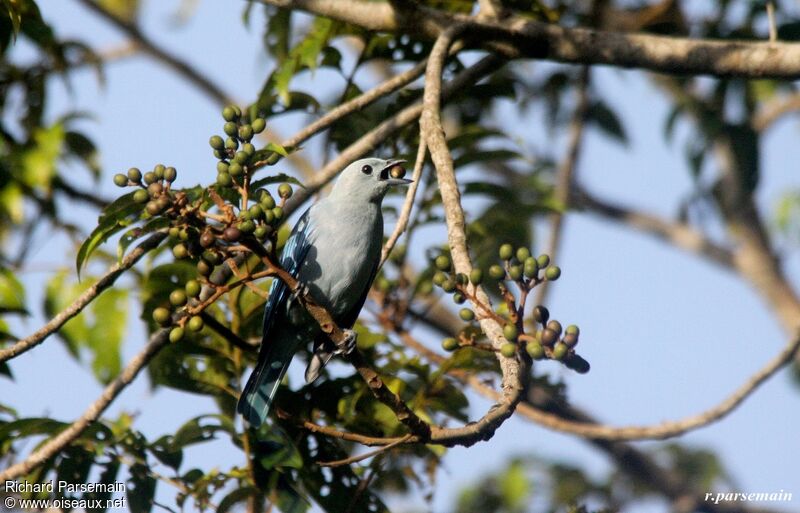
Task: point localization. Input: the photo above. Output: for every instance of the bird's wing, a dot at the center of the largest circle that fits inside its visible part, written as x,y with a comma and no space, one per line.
323,347
275,355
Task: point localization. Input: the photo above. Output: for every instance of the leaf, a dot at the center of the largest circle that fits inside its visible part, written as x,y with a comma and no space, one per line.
607,121
83,148
12,293
120,213
514,486
277,148
140,489
237,496
132,235
39,162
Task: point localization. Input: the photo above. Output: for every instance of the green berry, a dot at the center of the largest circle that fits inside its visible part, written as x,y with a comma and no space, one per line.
152,208
221,154
230,128
174,232
231,144
466,314
150,177
462,279
572,329
241,157
285,191
204,268
216,142
245,132
555,326
497,272
510,332
176,334
120,180
543,260
170,174
515,272
212,257
161,315
141,196
249,149
439,277
450,344
247,226
159,171
134,175
535,350
154,189
506,251
570,339
442,262
449,285
230,113
179,251
541,314
560,351
458,298
552,273
476,276
530,267
262,231
508,350
177,297
195,323
256,212
523,254
258,125
278,213
192,288
235,169
224,180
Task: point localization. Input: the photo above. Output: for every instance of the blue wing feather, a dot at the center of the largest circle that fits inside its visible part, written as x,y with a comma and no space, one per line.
275,355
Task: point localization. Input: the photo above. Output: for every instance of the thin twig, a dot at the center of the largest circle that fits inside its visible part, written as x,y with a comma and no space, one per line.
365,456
83,300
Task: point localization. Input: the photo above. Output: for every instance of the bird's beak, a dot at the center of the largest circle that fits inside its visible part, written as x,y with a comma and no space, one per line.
394,172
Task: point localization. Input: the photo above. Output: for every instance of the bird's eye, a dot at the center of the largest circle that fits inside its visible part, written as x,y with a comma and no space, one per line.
367,170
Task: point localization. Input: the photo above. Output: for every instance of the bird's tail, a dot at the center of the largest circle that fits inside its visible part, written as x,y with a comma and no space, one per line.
256,399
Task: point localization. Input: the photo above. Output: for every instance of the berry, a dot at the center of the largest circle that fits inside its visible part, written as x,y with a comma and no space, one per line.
212,257
179,251
278,213
231,144
231,113
256,212
572,330
216,142
552,273
285,191
535,350
439,277
192,288
224,180
161,315
510,332
570,339
195,323
530,267
222,166
515,272
170,174
442,262
247,226
158,170
140,196
232,234
450,344
508,350
120,180
134,175
207,239
153,208
258,125
150,177
466,314
245,132
249,149
462,279
549,337
241,157
230,128
541,314
497,272
577,363
235,169
555,326
523,254
174,232
476,276
543,260
177,297
262,232
560,351
458,298
267,201
176,334
204,268
154,189
448,285
506,251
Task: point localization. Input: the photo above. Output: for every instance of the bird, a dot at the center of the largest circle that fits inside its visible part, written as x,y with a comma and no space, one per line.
333,252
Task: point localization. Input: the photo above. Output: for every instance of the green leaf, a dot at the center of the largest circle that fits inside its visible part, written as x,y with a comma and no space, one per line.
607,121
277,148
514,486
39,162
12,293
83,148
237,496
132,235
121,213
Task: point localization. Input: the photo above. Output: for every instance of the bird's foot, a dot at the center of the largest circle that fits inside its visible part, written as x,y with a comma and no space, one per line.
348,343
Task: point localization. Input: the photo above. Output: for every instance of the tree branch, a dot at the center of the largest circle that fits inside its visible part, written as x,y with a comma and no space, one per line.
534,39
83,300
60,441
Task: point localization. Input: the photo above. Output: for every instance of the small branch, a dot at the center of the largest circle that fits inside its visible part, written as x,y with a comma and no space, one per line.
369,441
678,234
566,172
60,441
773,29
224,332
83,300
773,111
362,457
408,204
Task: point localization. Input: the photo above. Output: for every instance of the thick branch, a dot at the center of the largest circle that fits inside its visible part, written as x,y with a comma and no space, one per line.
84,299
539,40
60,441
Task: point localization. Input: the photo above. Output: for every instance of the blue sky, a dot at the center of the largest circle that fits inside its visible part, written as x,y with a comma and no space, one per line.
668,335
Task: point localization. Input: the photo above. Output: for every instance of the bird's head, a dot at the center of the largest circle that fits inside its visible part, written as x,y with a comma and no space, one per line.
370,178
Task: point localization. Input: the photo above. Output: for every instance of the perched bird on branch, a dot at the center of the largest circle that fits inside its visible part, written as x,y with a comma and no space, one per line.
333,252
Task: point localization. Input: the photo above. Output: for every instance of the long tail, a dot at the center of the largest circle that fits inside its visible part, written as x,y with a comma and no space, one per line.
256,399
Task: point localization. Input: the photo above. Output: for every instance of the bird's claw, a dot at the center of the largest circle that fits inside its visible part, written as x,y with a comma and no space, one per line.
348,343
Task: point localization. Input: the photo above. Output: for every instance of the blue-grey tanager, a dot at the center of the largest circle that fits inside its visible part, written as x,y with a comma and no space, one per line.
333,252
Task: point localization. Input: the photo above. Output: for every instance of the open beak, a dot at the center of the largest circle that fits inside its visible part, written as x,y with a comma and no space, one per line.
394,172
